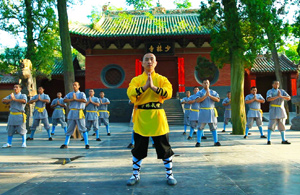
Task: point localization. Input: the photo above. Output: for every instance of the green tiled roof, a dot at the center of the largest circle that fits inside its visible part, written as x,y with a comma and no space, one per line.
263,64
58,68
143,26
8,79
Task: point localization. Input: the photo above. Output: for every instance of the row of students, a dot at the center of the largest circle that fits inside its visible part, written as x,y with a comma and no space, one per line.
96,111
277,113
201,111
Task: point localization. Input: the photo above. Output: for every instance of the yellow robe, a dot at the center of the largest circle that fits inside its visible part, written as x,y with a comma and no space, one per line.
149,122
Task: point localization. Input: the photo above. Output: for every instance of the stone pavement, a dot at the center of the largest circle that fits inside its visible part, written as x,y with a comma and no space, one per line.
239,166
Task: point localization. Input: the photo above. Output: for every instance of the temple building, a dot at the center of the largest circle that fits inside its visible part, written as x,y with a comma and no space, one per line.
114,48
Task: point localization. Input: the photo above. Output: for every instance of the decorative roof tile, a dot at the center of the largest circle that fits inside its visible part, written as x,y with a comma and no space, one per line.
263,64
169,24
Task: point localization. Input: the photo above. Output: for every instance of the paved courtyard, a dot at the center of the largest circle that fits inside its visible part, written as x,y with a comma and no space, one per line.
239,166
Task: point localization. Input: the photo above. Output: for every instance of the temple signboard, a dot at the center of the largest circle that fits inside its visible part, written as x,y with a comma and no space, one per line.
160,48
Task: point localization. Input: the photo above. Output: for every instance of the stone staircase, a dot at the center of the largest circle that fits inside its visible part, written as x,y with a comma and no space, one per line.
174,112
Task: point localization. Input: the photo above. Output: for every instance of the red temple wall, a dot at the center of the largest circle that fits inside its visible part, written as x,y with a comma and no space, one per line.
95,64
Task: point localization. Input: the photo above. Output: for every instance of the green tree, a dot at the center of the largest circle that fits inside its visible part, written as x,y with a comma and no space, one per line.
290,50
182,4
38,23
139,4
269,16
234,43
10,59
296,27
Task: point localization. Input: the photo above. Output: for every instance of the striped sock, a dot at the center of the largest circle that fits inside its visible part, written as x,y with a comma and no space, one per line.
168,166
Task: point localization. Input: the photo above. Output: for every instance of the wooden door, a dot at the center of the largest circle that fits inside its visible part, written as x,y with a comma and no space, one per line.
167,66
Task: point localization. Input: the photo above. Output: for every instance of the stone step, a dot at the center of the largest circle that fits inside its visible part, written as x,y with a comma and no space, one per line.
173,111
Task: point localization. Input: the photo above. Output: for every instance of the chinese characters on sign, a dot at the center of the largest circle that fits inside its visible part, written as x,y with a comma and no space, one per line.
160,48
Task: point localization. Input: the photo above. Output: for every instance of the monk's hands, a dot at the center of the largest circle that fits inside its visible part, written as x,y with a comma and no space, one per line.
279,94
74,96
149,80
12,95
207,93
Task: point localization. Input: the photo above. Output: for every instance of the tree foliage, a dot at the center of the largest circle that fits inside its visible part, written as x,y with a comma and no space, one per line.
139,4
213,18
36,21
290,50
182,4
296,26
10,59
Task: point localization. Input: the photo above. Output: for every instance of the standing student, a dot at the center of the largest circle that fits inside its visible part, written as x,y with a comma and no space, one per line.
187,109
17,117
76,100
194,112
208,113
58,115
277,113
92,114
103,112
227,114
40,113
254,101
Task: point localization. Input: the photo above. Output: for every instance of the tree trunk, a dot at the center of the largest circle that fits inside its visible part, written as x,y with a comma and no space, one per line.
30,51
238,112
69,77
29,31
234,34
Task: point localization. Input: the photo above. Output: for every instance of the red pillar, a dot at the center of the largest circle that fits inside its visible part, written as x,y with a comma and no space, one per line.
138,67
181,79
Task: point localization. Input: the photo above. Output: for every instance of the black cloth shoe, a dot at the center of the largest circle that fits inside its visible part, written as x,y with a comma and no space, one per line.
184,133
98,139
223,130
108,134
130,145
94,134
52,133
29,138
87,146
50,139
285,142
82,139
203,137
249,133
263,136
269,142
63,146
189,138
197,144
245,137
217,144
